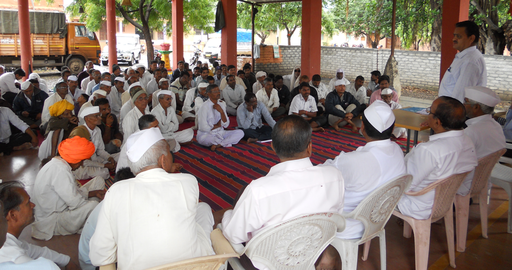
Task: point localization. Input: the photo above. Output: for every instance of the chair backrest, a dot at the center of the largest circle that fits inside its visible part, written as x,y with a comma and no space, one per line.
200,263
295,244
483,171
376,209
445,190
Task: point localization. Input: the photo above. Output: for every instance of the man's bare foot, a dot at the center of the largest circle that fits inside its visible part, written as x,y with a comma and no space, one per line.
336,127
329,260
319,129
215,147
24,146
251,140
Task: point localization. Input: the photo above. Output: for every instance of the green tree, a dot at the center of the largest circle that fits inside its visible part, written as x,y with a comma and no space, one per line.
495,24
148,15
414,22
264,24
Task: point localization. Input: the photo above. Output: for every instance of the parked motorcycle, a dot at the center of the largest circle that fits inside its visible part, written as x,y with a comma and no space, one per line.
195,57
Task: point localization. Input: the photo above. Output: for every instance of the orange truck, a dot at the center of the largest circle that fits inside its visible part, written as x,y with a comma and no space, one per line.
55,42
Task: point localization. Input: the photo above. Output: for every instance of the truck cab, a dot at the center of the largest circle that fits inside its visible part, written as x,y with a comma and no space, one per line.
82,46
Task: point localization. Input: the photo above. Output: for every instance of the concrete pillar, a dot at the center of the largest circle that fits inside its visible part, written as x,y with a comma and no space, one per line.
24,29
454,11
228,43
111,33
177,32
311,41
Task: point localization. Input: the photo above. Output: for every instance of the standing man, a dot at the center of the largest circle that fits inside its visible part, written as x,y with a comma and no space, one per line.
468,67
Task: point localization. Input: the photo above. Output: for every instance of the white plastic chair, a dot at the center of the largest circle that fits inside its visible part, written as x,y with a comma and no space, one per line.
295,244
221,247
478,190
374,212
445,190
501,175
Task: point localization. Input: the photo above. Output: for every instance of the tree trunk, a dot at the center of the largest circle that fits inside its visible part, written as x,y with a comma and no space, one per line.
435,34
149,43
289,39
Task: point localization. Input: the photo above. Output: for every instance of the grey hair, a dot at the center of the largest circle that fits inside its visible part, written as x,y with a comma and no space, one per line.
210,87
150,157
485,108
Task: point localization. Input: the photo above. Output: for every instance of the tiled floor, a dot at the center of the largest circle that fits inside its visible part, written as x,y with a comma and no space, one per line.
493,253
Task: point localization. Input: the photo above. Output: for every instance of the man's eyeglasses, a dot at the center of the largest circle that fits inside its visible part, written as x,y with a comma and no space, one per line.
297,70
429,111
142,98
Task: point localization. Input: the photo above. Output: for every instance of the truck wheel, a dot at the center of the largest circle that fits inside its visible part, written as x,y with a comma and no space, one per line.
132,60
76,65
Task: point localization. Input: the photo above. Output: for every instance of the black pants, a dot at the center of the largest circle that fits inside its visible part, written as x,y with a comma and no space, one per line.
15,140
262,134
9,97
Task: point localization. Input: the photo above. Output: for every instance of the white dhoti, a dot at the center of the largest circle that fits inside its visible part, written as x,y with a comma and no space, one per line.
45,149
333,118
84,172
225,138
185,115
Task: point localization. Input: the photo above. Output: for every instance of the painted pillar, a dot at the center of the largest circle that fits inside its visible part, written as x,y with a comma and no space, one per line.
228,41
111,33
454,11
24,30
177,32
311,37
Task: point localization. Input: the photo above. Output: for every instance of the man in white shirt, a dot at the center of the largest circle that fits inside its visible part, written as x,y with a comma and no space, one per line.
61,208
232,71
144,75
387,97
166,221
189,104
340,75
60,94
304,105
468,68
19,214
249,118
321,89
233,95
8,88
179,87
153,83
168,122
140,108
73,88
212,119
116,92
270,98
259,84
371,165
19,141
358,91
485,133
449,151
85,82
95,96
96,78
292,188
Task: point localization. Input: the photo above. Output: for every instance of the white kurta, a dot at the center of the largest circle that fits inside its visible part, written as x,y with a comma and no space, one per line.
224,83
290,189
131,122
233,97
61,207
152,86
169,125
7,81
269,102
18,252
207,117
487,136
90,85
445,154
54,98
257,86
77,94
115,101
8,117
84,83
359,94
39,264
364,170
150,220
189,99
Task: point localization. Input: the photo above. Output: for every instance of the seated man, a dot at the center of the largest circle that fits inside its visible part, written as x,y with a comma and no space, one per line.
166,221
291,188
449,151
168,122
73,89
28,104
9,88
218,75
14,142
96,95
321,89
269,97
305,105
383,84
282,91
249,119
191,98
163,84
359,91
109,126
312,91
370,166
387,97
233,95
259,84
19,214
212,119
241,74
374,82
96,79
231,70
485,133
179,87
61,208
131,120
340,75
105,77
341,106
202,78
116,93
60,94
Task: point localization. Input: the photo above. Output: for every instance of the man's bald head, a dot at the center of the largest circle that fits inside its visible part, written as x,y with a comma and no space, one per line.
450,112
291,137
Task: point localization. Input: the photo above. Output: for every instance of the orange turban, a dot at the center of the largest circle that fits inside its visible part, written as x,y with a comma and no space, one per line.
58,108
76,149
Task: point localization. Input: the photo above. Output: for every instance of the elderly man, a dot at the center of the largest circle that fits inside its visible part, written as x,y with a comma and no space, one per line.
291,188
19,214
168,122
164,203
140,102
85,74
371,165
340,75
96,95
179,87
485,133
60,94
387,97
105,77
359,91
116,92
449,151
341,106
96,78
144,75
86,80
191,98
293,80
269,97
383,84
8,88
61,208
304,105
259,84
249,119
232,71
40,83
128,106
212,120
109,126
233,95
468,68
28,104
73,88
13,142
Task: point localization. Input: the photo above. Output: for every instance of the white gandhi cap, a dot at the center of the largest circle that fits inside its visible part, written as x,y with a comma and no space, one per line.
342,82
380,115
89,110
165,92
386,91
25,85
260,74
482,95
139,142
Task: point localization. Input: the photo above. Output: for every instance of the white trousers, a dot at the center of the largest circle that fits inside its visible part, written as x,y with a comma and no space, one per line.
333,118
225,138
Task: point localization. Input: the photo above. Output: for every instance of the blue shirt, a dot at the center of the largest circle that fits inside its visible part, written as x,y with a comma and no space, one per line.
85,238
252,120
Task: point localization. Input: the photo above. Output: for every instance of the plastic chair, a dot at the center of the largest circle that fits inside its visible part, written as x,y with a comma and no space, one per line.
221,247
445,190
502,176
294,244
478,190
374,212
